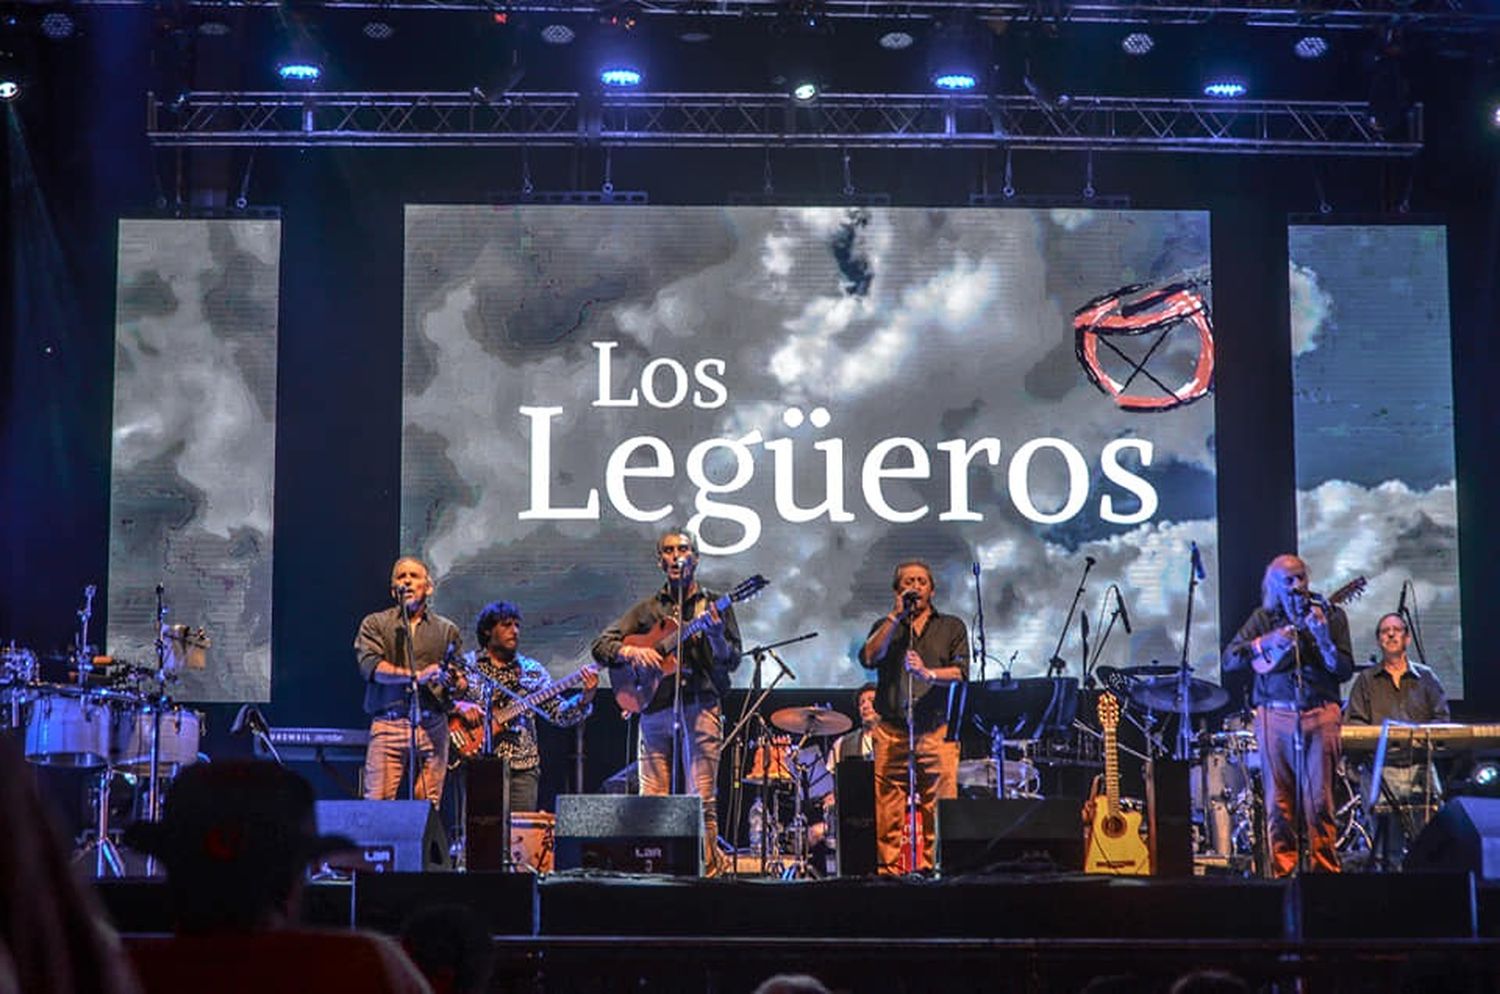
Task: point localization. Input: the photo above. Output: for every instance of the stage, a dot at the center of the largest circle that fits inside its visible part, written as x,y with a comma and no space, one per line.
592,931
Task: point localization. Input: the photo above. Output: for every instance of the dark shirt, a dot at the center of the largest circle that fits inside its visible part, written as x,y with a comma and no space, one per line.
943,642
703,676
521,676
1374,698
382,635
1320,684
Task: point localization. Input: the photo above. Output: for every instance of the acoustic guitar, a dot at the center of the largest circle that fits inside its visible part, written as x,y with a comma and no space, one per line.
634,686
1114,839
1348,592
466,735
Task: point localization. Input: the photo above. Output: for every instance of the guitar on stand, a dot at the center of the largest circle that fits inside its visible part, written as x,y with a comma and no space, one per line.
634,686
1114,838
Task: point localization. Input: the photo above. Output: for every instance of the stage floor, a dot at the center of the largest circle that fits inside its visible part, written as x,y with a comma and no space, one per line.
604,932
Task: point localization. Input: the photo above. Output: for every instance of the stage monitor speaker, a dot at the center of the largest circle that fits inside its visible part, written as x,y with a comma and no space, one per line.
1171,828
486,813
854,781
630,834
395,836
1464,835
995,834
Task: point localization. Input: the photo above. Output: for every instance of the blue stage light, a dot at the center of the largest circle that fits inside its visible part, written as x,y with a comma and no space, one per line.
1311,47
1225,89
299,72
955,81
621,76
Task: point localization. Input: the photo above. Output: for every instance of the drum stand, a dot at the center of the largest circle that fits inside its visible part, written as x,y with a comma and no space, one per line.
800,867
107,861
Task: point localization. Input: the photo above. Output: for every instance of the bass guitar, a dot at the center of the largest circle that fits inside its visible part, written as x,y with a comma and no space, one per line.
1348,592
466,735
634,686
1113,838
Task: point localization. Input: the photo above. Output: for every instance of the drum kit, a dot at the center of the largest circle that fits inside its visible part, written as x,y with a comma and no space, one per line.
789,770
106,716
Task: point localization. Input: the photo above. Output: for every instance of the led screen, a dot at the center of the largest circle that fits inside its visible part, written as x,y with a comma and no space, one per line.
820,394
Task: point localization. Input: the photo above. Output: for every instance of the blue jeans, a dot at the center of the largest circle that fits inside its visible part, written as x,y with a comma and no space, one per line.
702,737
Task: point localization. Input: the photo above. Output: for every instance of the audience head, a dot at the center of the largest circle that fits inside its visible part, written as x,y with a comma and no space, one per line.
792,983
1209,982
235,838
452,948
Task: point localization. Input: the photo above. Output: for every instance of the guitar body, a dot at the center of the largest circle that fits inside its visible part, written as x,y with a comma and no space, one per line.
634,686
1113,839
466,734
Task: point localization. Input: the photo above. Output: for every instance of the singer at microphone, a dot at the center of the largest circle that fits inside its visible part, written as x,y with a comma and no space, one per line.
1299,654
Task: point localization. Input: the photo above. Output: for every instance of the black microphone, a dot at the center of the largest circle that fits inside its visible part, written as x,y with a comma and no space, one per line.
1197,562
1124,614
909,600
1401,607
1089,561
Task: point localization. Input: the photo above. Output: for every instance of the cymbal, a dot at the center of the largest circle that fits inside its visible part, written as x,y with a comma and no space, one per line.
812,721
1162,693
1153,669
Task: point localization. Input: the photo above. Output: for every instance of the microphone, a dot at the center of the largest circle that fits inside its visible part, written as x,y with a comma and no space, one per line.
909,600
1401,607
1089,561
1124,614
1197,562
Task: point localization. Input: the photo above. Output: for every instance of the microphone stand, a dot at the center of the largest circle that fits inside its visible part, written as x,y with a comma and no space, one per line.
1057,664
958,693
414,709
751,710
1184,750
1411,625
1090,663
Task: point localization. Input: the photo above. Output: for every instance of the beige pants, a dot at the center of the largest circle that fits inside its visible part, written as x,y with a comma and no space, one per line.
937,777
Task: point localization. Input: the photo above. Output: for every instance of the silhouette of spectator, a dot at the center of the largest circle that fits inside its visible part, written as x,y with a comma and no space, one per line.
452,948
236,839
1117,983
54,938
792,983
1209,982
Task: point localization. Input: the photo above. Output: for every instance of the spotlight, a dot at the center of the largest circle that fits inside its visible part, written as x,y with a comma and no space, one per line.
1137,43
378,30
620,77
958,56
805,90
1485,774
619,48
1495,115
1311,47
799,55
213,28
10,88
57,25
558,34
896,41
299,71
1224,88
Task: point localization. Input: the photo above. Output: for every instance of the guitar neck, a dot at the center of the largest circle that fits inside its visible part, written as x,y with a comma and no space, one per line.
1111,770
694,627
516,708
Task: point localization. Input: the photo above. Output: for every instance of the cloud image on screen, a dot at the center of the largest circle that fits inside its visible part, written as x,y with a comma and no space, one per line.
820,394
1373,380
193,447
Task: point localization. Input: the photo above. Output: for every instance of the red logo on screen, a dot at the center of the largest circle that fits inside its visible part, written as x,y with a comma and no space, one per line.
1135,311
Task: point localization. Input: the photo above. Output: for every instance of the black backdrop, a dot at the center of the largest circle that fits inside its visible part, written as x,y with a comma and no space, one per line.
77,161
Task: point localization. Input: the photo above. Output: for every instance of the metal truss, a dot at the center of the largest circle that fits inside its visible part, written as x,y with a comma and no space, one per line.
1430,14
761,120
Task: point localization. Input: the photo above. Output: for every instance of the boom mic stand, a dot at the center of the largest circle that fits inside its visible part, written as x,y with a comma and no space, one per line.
751,710
1057,664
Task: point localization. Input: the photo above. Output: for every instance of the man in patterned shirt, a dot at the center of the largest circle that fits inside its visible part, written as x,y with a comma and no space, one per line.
501,670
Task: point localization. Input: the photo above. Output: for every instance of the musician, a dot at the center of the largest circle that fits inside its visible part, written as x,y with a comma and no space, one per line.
380,648
918,653
707,659
1298,646
498,670
858,742
1397,690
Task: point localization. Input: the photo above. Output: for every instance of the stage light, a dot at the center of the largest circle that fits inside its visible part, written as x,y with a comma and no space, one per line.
378,30
1486,775
1495,115
1223,88
558,34
805,90
799,56
298,71
1137,43
213,28
10,88
1311,47
955,81
958,56
617,45
896,41
620,77
57,25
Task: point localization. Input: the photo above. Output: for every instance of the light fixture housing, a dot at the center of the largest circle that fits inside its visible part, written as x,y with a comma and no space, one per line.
958,56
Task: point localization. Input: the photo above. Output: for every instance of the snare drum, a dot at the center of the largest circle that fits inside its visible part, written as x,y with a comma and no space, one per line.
178,747
531,841
68,726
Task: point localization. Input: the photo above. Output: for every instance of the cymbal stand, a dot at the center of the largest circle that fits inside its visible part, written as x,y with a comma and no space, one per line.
751,710
82,653
156,702
107,861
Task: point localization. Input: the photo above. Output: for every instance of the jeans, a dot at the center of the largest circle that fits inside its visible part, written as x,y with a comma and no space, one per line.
702,737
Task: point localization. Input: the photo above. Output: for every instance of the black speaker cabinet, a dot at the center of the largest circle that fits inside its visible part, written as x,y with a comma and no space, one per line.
486,813
1464,835
993,834
854,780
395,836
630,834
